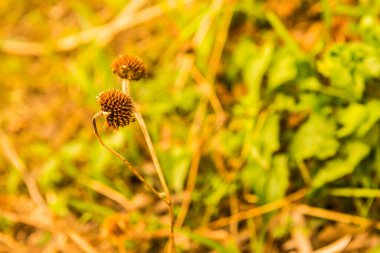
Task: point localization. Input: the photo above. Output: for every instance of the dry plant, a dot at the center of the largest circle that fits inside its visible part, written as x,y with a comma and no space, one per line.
118,109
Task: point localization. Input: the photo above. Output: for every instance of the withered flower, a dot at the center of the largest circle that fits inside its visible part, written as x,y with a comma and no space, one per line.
117,108
129,67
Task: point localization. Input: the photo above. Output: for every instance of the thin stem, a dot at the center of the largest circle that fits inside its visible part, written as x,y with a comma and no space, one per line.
125,86
149,143
326,13
282,31
160,174
129,166
167,198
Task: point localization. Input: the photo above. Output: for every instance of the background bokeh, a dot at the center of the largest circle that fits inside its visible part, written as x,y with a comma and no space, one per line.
264,116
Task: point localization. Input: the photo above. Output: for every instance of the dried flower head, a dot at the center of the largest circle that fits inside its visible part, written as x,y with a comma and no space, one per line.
129,67
117,108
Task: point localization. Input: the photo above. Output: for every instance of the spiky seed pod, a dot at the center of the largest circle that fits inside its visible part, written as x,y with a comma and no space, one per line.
129,67
117,107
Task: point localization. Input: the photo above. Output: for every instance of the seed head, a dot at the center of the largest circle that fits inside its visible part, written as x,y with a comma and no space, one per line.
129,67
117,107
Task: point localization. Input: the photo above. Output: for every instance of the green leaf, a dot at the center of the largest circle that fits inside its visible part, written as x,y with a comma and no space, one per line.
349,66
267,184
335,169
211,243
331,66
254,177
373,116
278,179
283,102
58,205
315,138
219,189
358,118
310,83
50,173
351,118
283,69
355,192
13,181
265,175
244,51
268,140
255,69
176,162
90,207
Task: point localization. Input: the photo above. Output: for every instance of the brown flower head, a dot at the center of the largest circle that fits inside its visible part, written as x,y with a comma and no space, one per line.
117,107
129,67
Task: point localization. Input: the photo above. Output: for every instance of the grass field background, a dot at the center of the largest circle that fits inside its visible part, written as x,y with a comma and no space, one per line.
264,116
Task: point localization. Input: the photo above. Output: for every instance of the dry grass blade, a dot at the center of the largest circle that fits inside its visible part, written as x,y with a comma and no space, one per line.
11,155
110,193
234,209
80,241
337,216
209,92
198,38
220,40
257,211
11,243
205,24
299,231
196,155
45,224
189,187
102,33
337,246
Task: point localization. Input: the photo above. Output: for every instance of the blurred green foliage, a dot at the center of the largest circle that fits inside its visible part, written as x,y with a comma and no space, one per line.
293,118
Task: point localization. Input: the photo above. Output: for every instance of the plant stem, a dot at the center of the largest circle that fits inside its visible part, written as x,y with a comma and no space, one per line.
161,177
283,32
125,86
149,143
129,166
167,198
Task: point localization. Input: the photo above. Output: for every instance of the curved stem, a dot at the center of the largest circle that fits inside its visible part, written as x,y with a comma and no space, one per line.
129,166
